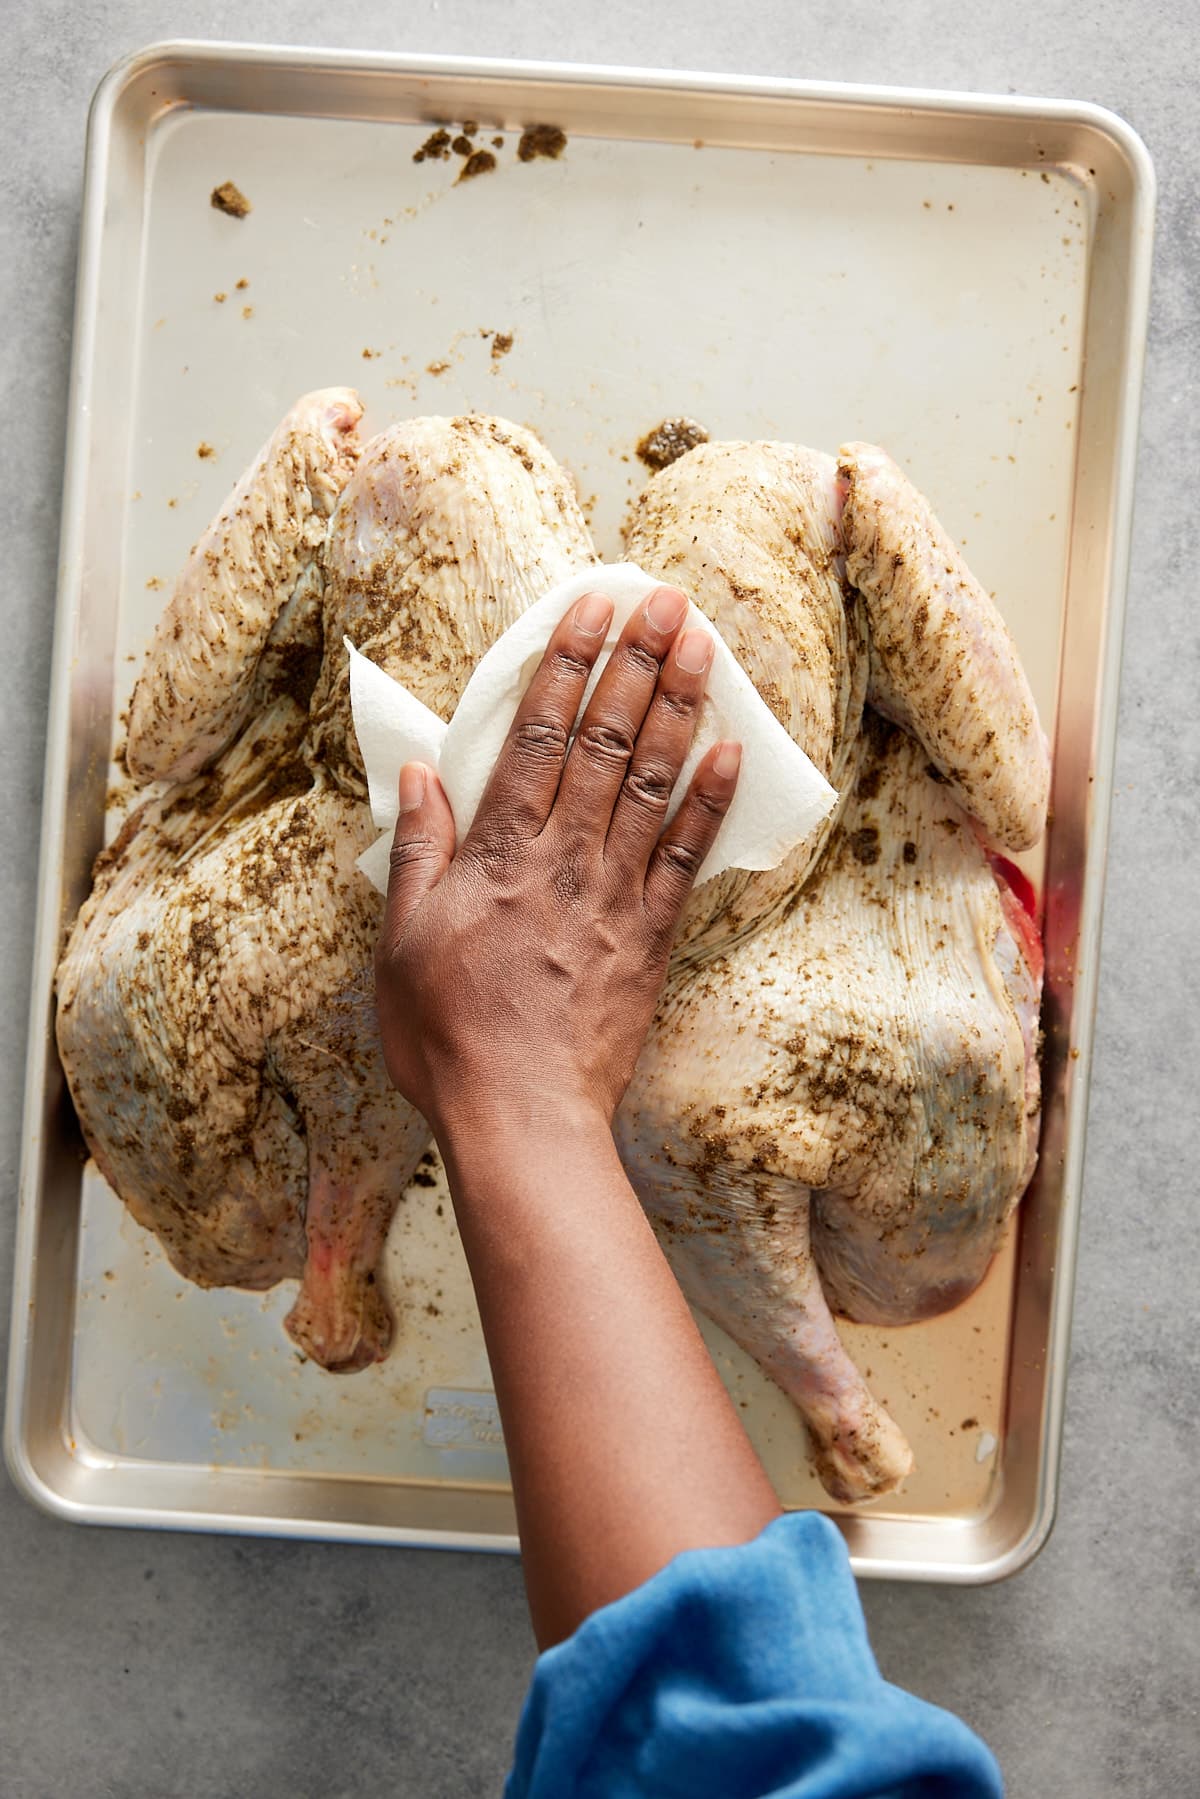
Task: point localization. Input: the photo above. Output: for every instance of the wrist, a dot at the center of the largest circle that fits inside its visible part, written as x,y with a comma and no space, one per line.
493,1132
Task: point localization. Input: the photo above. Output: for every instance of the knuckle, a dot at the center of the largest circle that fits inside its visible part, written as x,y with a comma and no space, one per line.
711,807
677,705
567,665
540,740
649,787
409,852
606,740
681,859
640,660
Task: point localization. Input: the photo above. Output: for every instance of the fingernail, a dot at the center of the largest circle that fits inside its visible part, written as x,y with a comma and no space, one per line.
665,609
727,760
694,651
592,614
412,786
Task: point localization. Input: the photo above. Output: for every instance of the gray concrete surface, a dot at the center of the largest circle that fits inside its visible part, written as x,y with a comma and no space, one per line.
139,1667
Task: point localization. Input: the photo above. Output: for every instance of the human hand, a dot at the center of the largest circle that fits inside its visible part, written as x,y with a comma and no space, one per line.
516,979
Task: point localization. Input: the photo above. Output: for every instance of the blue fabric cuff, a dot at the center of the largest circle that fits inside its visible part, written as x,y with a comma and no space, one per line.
734,1673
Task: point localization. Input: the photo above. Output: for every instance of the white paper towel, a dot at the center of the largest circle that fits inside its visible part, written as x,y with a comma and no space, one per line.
780,797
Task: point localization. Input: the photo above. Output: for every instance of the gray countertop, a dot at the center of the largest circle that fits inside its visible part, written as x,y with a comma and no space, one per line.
146,1665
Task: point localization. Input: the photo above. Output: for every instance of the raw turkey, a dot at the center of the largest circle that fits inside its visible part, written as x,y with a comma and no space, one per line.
837,1107
215,1002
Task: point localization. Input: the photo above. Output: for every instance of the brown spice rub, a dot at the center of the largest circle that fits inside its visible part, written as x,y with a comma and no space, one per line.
203,942
294,671
480,162
435,147
864,845
230,199
541,140
670,439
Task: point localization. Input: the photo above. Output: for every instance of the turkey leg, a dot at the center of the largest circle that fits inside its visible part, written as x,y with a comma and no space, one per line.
363,1144
740,1250
768,1297
341,1317
943,665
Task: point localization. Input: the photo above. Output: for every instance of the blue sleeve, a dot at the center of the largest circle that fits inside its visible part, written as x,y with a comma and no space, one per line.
736,1673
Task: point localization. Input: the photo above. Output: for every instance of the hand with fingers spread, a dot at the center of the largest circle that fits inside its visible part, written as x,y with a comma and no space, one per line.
520,975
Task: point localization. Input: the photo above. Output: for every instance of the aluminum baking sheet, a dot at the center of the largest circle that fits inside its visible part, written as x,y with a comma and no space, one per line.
962,279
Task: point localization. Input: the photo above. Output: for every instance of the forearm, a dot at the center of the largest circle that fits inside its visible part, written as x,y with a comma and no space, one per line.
623,1444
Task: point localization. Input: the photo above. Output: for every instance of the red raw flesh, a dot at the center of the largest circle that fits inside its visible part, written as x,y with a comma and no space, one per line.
1019,903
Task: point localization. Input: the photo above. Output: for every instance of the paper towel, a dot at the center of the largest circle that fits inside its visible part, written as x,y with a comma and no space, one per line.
780,796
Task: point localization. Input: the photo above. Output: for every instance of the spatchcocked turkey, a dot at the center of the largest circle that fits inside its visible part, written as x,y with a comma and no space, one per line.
837,1107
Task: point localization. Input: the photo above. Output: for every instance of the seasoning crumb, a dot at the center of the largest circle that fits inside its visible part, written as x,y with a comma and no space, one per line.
436,147
172,502
204,451
470,127
480,162
247,312
502,343
154,583
436,368
241,284
229,198
497,143
220,298
969,1424
541,140
462,145
369,355
669,440
864,845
